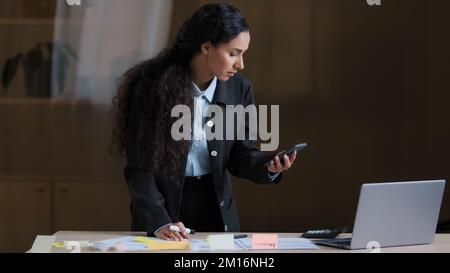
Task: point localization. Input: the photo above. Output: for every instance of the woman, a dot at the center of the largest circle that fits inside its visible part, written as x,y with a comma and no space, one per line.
187,183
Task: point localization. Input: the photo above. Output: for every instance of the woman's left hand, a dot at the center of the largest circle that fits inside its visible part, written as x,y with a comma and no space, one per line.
275,166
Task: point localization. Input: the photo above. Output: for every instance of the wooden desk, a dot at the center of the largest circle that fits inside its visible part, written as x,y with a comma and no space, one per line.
441,244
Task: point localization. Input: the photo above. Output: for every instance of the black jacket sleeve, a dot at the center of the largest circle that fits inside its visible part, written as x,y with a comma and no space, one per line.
246,160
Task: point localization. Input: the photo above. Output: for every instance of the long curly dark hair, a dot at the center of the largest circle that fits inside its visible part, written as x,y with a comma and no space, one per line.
148,92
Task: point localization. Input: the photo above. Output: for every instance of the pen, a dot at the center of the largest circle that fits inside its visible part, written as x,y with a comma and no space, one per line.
176,228
240,236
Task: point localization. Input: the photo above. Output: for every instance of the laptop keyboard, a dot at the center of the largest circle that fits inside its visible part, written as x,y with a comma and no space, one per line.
345,241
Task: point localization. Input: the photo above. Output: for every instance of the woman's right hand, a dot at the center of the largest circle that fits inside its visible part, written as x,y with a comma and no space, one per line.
166,234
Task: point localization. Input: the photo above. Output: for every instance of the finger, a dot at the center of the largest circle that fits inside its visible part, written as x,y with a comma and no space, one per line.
173,235
163,234
278,165
181,226
177,235
293,157
271,167
170,235
183,232
160,235
287,163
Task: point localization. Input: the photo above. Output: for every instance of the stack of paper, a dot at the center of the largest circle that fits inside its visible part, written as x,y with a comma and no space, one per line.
131,243
284,243
126,243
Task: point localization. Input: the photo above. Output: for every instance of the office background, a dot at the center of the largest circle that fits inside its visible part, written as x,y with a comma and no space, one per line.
365,86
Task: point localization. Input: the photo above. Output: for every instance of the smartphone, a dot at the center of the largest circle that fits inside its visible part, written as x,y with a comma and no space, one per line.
297,148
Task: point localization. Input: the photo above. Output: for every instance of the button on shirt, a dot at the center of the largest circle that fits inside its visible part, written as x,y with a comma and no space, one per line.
198,158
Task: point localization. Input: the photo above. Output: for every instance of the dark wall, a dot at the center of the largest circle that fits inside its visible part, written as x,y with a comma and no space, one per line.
367,88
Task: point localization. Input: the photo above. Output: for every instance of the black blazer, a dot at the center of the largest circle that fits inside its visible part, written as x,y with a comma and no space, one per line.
155,201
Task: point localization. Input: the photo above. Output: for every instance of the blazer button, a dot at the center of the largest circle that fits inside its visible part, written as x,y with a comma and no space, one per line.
210,123
222,203
226,228
214,153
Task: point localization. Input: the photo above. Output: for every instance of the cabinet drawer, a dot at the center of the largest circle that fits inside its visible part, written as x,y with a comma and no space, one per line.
91,206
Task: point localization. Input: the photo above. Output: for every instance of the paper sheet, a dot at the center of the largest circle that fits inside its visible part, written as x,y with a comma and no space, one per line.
42,244
131,243
221,242
126,243
199,245
285,243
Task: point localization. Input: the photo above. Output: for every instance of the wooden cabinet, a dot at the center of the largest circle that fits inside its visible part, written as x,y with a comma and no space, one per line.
25,211
30,207
91,205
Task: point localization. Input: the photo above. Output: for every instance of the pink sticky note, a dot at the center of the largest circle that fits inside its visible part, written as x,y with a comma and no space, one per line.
265,241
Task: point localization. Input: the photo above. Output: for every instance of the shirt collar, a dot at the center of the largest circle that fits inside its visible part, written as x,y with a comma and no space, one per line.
209,92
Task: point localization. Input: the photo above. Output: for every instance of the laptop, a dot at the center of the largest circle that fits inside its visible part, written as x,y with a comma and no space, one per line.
394,214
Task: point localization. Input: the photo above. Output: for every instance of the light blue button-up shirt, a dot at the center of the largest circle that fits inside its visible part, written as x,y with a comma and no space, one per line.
198,158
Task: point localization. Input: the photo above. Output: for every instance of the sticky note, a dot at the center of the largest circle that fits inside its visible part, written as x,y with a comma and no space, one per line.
59,244
142,239
264,241
156,244
221,242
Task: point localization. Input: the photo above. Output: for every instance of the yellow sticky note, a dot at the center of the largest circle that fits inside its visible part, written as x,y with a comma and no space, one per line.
142,239
167,245
58,244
